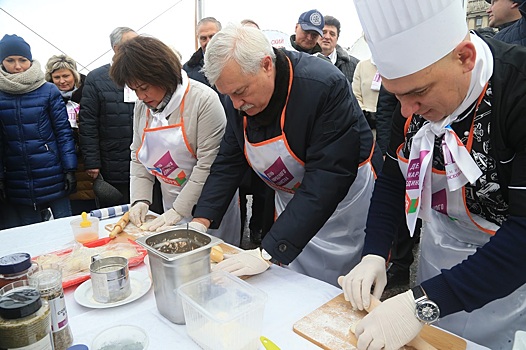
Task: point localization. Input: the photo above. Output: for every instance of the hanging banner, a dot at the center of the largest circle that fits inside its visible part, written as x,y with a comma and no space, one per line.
278,39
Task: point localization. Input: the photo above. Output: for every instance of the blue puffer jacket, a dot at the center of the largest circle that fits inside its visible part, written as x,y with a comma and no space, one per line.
37,146
516,32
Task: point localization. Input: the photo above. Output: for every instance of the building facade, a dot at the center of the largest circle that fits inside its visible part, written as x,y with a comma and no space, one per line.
476,14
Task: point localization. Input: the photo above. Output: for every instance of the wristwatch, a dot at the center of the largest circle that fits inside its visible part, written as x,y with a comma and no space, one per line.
426,311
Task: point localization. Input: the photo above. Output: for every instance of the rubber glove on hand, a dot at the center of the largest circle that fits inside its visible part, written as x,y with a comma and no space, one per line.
138,213
197,226
357,284
390,325
71,183
248,262
162,222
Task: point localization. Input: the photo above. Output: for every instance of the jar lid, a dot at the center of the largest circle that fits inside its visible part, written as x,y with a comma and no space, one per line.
14,263
78,347
20,302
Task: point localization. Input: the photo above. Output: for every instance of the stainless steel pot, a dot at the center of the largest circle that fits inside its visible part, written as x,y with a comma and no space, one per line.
176,256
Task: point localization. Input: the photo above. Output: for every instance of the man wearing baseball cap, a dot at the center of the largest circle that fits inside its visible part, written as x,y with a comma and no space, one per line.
308,29
457,160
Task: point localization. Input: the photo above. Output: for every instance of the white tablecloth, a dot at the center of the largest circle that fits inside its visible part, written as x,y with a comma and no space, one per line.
290,296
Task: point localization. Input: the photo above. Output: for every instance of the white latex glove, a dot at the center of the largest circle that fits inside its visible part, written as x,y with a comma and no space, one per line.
197,226
357,284
390,325
248,262
164,221
138,213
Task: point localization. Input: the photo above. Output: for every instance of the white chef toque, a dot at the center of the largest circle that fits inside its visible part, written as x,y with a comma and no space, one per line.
405,36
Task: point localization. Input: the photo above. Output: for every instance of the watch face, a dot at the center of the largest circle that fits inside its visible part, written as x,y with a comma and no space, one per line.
427,311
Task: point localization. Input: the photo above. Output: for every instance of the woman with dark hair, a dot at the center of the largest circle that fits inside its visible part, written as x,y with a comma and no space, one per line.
178,126
37,150
61,70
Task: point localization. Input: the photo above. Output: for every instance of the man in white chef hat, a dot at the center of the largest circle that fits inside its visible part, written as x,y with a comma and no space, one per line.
457,159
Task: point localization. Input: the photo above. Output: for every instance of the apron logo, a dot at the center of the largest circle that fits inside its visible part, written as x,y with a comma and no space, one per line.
166,164
178,181
439,201
413,174
181,178
411,205
278,173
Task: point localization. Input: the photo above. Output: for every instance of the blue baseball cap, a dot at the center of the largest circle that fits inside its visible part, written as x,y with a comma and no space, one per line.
312,20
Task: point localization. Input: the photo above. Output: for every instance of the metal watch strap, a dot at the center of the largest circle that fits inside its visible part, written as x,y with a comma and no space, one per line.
418,293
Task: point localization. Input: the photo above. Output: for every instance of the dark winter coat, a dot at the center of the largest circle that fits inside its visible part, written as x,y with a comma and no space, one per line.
324,127
194,65
516,32
106,127
384,117
345,62
84,181
37,146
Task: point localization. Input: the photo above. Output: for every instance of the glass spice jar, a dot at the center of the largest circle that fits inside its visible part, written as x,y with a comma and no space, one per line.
15,267
25,318
48,280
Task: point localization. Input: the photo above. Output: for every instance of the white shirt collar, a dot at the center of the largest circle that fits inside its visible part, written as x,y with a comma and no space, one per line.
333,56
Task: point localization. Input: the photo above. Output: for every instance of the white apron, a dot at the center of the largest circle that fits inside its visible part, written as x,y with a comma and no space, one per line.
337,246
450,237
166,154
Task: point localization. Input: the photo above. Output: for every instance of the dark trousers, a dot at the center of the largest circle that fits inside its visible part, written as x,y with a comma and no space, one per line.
157,198
262,204
402,250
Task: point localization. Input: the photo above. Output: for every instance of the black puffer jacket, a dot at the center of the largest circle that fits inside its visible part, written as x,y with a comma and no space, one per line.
106,127
515,33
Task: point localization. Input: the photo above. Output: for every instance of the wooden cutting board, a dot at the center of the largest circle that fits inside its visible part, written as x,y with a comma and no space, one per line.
329,327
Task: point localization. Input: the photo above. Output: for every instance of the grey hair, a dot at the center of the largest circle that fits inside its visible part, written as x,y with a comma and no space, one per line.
209,20
57,62
246,45
116,35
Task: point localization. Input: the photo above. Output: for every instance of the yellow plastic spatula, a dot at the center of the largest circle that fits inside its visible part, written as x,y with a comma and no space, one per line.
268,344
84,222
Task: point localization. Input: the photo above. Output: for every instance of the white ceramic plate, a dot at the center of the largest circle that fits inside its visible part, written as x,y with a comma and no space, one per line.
140,283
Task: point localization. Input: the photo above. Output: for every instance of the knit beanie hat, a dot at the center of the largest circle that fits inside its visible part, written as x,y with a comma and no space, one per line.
13,45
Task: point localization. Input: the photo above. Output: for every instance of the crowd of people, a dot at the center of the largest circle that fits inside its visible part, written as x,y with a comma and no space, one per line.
346,160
